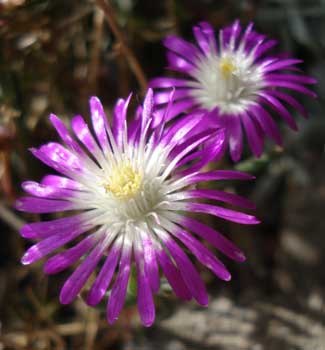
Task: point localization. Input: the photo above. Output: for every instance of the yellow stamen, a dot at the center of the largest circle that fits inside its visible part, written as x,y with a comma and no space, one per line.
124,182
227,67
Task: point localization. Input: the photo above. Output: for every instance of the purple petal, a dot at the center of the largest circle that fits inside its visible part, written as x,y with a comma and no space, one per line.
117,297
168,82
48,245
159,130
225,197
179,130
210,235
202,40
261,49
177,108
230,35
179,154
182,48
211,151
63,260
266,122
255,140
304,79
48,228
291,101
119,120
61,182
104,278
216,175
293,86
235,137
199,250
41,206
56,165
191,138
79,277
147,109
99,121
43,191
144,294
186,268
280,64
134,127
83,133
61,156
179,64
226,214
164,97
279,108
244,43
209,33
150,262
65,135
173,275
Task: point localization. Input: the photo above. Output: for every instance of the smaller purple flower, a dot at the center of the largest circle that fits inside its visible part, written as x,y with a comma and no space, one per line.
130,189
234,81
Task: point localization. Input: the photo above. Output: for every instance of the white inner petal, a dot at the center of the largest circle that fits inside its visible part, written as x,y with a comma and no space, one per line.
138,206
229,81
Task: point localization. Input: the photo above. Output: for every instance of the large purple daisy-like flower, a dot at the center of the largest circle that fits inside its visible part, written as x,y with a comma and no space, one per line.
235,81
131,189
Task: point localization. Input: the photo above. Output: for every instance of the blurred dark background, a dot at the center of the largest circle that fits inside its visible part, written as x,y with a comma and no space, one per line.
53,56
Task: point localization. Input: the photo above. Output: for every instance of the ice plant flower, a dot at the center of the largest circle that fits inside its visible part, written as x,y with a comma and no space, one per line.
131,188
236,81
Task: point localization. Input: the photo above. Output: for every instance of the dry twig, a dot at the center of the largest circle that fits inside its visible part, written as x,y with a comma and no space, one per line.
95,52
132,60
10,218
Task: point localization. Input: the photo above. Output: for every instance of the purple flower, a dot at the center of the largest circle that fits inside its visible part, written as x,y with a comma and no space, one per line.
131,189
235,82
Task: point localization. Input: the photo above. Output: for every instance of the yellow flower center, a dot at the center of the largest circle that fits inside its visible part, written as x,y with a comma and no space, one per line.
227,67
124,182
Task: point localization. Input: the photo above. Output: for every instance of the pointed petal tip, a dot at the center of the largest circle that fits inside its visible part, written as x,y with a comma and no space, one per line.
26,259
148,323
255,221
278,141
204,301
240,256
167,39
47,270
53,118
148,99
235,157
25,231
19,205
32,149
94,297
155,287
149,91
94,99
111,319
247,176
227,277
91,300
65,298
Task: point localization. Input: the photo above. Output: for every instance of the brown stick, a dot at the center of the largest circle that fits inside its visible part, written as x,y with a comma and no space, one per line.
95,51
132,60
10,218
